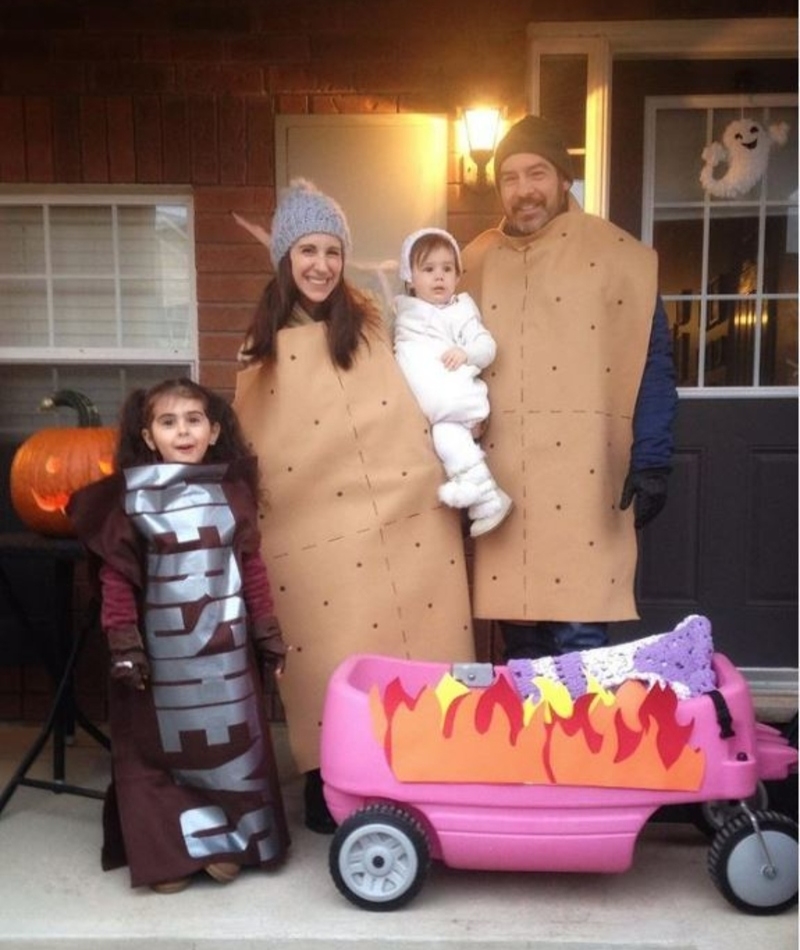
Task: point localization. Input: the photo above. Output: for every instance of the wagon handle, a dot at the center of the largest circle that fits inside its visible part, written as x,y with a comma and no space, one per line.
724,718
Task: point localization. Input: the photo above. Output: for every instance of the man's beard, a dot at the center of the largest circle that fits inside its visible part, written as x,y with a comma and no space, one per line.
512,231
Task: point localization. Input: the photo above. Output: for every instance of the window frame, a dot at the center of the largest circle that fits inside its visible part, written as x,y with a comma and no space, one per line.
705,206
110,197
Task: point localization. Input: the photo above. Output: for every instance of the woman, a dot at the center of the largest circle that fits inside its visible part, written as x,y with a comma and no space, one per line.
362,556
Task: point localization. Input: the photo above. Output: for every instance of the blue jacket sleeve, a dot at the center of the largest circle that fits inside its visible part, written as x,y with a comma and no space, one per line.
657,402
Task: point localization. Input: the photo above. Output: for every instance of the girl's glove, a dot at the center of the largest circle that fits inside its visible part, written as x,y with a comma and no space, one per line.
269,646
129,664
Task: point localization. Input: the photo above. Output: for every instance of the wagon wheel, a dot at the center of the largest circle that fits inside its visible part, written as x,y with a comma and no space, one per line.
711,816
379,857
753,862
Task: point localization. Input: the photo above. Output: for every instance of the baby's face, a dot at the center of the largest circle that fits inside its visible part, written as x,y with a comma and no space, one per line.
434,278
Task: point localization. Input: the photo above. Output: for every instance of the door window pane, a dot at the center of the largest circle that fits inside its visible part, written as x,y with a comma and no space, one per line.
680,266
779,343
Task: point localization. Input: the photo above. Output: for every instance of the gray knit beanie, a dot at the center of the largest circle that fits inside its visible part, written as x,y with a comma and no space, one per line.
536,136
304,209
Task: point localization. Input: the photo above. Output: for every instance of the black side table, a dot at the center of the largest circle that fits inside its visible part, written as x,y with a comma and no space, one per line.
59,654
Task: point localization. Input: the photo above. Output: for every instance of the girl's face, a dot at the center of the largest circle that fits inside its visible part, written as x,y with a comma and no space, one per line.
180,430
317,263
434,278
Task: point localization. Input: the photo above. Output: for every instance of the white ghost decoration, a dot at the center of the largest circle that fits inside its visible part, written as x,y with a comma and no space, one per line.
745,148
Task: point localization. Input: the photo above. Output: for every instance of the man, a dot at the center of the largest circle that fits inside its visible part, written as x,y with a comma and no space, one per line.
583,400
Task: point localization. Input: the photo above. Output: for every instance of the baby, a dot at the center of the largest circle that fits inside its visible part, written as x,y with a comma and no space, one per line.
441,346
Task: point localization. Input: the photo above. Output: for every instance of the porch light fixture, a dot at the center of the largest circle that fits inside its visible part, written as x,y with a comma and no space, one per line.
482,129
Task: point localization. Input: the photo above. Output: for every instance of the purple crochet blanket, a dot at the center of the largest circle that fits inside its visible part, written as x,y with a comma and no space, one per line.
680,659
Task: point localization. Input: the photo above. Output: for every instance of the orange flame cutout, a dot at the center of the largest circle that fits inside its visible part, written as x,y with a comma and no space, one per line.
450,733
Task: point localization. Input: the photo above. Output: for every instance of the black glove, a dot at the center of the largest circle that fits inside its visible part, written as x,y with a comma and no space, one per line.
649,489
269,645
129,664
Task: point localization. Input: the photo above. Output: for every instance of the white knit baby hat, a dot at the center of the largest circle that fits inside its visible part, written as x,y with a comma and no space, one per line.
404,271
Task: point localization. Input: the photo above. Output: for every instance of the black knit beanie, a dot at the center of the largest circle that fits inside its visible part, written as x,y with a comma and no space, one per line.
536,136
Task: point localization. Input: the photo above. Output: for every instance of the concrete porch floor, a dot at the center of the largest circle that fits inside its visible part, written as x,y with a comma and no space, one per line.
53,893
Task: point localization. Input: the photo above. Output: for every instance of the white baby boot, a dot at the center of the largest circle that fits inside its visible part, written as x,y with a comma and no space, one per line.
459,493
477,490
487,514
492,505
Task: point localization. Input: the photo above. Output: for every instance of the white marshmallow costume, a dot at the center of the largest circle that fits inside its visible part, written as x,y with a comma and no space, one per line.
422,333
454,401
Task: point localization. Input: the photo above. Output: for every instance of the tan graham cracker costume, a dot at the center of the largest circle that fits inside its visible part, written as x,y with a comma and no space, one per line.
571,309
361,554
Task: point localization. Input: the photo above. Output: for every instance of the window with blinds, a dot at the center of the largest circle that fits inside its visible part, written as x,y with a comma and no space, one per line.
96,294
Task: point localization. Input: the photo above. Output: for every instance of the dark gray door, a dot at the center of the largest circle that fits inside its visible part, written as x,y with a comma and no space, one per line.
726,544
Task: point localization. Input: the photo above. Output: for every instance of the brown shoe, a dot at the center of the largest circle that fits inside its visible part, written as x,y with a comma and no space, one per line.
171,887
223,871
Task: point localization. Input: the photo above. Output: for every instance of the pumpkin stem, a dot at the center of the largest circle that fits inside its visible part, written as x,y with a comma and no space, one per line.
88,414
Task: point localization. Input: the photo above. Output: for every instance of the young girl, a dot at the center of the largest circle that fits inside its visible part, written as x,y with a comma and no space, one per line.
442,346
188,616
363,556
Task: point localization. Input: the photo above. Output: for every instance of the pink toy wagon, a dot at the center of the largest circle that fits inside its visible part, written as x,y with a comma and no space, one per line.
550,765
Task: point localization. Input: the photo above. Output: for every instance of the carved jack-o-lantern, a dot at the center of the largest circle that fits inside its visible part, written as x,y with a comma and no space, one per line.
54,463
